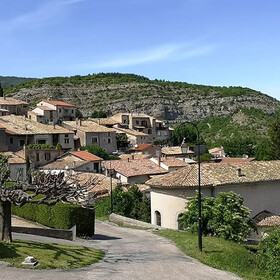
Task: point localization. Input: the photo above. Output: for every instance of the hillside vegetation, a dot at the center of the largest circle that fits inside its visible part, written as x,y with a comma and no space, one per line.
10,81
114,92
234,117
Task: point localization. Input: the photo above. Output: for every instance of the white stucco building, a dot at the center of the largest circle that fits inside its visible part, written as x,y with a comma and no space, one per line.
257,182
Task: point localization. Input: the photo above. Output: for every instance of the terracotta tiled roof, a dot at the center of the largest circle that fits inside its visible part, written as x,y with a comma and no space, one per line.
215,150
24,126
104,121
266,218
66,160
131,131
11,101
134,167
135,157
2,127
88,126
58,103
86,156
141,147
102,184
173,162
45,108
14,158
236,160
213,174
175,150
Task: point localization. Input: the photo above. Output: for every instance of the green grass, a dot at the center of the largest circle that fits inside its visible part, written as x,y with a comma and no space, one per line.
219,253
49,255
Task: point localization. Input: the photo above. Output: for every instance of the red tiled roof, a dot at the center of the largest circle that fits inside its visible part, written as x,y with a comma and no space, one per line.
236,160
133,168
215,174
141,147
58,103
266,218
2,127
86,156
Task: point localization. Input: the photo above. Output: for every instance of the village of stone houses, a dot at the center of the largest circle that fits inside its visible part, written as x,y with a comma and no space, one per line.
129,187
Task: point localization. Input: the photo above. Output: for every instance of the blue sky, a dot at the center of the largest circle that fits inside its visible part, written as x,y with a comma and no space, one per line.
211,42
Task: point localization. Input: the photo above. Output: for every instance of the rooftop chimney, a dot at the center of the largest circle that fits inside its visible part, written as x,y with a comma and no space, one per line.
239,172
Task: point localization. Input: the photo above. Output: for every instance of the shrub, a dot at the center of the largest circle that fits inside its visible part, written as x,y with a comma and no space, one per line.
269,253
224,216
60,216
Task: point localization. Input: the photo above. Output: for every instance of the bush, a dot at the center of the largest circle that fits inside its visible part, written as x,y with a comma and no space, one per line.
224,216
131,203
269,253
59,216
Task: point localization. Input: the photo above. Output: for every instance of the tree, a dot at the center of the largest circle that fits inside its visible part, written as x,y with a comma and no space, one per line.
122,141
96,150
224,216
239,146
98,114
274,135
79,114
1,91
186,131
44,189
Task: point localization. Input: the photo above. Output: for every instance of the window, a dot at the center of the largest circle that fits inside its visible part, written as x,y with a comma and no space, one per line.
72,111
37,157
11,140
109,140
59,110
66,141
137,122
41,141
94,140
66,135
109,133
158,218
149,131
21,142
47,156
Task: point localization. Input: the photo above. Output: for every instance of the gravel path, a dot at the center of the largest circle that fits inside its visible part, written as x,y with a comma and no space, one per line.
130,254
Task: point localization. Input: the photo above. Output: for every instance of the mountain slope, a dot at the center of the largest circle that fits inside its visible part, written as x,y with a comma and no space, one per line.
114,92
9,81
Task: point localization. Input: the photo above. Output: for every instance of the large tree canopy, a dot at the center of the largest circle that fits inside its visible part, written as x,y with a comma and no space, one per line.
224,216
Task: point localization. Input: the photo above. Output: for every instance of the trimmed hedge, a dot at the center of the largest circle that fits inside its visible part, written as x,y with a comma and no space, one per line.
59,216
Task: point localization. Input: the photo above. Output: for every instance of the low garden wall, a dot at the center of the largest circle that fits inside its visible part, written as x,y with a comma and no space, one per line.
118,219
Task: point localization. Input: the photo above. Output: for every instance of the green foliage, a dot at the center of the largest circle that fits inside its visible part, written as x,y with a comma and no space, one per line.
79,114
8,82
4,169
239,146
274,135
131,203
96,150
263,150
204,157
60,216
184,131
269,253
224,216
58,147
122,140
40,147
99,114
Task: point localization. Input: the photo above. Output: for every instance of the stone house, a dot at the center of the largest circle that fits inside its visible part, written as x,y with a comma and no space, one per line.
134,137
20,131
169,163
89,133
44,114
79,161
64,111
132,171
14,106
257,182
146,149
176,151
217,152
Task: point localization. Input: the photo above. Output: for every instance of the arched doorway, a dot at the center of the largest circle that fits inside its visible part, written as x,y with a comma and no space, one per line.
158,218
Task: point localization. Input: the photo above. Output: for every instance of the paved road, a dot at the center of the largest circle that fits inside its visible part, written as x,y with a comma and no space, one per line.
130,254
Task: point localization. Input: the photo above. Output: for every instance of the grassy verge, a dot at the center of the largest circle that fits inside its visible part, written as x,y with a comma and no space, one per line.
218,253
49,255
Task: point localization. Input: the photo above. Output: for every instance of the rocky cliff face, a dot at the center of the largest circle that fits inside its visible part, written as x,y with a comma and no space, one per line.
165,101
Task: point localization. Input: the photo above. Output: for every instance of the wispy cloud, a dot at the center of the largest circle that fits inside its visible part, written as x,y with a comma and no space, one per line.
158,53
38,17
